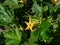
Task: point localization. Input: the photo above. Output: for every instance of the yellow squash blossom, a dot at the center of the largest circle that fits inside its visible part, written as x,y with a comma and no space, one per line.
53,2
29,24
43,19
21,1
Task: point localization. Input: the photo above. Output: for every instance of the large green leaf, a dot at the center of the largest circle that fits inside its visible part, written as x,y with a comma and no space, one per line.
57,4
52,8
45,24
36,7
37,30
32,39
45,32
5,15
12,37
13,4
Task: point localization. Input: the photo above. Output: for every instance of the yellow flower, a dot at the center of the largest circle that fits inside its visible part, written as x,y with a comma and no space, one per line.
21,1
43,19
29,24
53,2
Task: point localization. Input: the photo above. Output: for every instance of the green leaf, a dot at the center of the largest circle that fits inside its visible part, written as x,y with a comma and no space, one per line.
12,42
59,17
45,8
45,24
57,4
45,32
5,15
13,4
32,39
36,33
12,37
55,26
52,8
37,30
36,7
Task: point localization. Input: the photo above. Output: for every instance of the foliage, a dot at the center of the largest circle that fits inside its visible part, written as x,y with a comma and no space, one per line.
44,14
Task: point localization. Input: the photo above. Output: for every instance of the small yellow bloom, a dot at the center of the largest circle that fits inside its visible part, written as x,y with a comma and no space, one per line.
21,1
29,24
43,19
53,2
